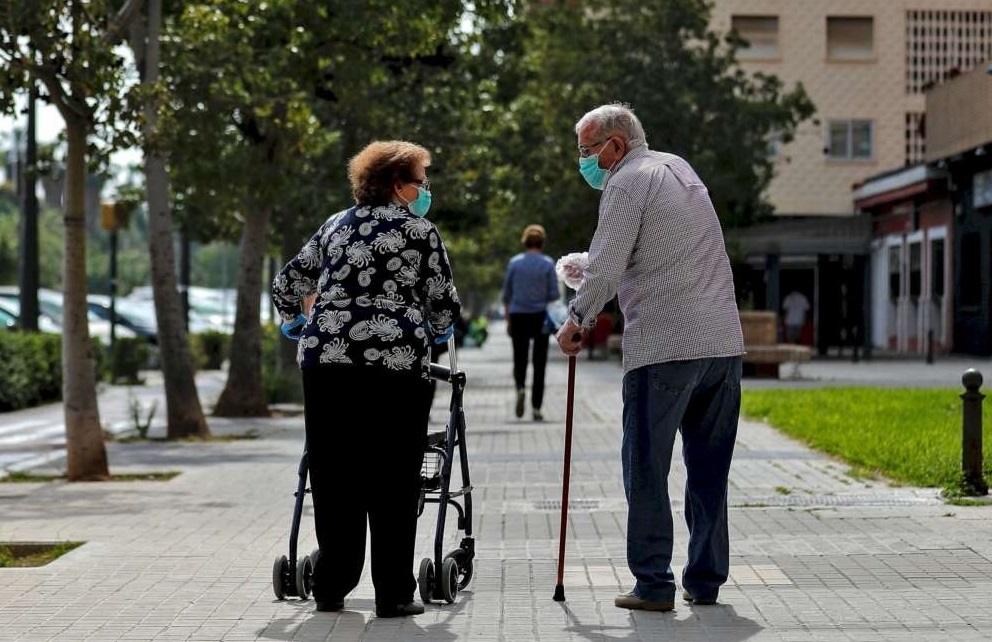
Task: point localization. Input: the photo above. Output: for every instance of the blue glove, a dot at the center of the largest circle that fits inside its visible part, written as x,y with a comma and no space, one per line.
292,329
443,338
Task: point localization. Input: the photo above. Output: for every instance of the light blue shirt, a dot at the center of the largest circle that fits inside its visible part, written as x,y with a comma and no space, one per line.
530,283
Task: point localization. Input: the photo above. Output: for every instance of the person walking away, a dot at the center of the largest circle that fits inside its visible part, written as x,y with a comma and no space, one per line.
795,306
529,285
384,291
659,246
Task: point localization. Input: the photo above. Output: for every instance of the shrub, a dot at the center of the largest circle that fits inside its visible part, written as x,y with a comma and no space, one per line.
281,385
127,358
32,369
210,349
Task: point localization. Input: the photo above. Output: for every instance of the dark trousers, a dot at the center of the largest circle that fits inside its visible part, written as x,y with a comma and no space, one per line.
524,329
701,399
366,430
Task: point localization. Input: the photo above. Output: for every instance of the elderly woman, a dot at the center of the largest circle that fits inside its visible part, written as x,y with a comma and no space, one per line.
384,292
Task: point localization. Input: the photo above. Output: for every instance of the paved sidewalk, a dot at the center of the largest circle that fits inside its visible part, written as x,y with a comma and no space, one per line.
816,554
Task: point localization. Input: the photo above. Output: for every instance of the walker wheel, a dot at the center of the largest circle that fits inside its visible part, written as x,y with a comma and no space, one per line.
304,577
465,567
280,576
449,579
425,580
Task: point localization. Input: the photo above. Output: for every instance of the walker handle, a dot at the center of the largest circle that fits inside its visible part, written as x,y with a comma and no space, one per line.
452,357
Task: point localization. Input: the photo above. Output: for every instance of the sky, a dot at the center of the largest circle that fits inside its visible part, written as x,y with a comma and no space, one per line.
50,125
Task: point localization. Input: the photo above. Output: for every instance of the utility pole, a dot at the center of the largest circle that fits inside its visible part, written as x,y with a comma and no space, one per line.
27,268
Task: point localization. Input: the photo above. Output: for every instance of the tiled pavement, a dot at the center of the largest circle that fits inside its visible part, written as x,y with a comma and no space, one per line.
817,554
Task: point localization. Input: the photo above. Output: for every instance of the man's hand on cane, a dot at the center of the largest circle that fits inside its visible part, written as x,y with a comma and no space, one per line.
570,338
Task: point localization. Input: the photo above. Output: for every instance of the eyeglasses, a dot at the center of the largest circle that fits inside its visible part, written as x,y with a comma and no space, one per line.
426,184
585,149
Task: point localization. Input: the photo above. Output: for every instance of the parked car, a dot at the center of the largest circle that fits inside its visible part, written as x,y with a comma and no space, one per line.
51,306
137,317
7,320
11,308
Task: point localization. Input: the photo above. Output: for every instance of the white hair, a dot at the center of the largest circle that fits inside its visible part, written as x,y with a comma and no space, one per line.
614,119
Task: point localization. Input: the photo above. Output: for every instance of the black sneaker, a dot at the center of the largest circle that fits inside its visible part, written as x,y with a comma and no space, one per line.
520,403
399,610
537,415
325,606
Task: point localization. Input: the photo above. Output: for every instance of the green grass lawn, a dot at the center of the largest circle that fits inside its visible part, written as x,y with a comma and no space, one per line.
908,435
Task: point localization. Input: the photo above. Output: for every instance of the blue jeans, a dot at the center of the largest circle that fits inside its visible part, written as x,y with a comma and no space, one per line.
701,399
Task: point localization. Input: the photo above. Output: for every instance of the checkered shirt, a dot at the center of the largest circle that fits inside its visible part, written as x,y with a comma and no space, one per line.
658,246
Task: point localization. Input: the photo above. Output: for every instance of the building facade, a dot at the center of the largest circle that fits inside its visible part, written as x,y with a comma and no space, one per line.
866,64
910,305
959,137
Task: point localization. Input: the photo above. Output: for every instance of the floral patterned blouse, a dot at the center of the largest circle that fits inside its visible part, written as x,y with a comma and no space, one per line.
384,290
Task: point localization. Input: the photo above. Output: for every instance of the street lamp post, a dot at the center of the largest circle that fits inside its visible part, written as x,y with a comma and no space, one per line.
28,265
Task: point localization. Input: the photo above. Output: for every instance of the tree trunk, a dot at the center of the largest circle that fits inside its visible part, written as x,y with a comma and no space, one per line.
87,456
244,395
183,409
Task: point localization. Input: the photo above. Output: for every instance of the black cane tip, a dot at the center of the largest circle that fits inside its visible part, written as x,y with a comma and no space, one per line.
559,593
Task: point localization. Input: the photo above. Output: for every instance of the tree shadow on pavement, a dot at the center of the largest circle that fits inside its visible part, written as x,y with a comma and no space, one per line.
714,623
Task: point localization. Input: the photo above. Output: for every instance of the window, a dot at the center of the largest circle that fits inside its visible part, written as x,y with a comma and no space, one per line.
761,34
937,268
982,189
774,141
849,139
895,270
915,270
850,39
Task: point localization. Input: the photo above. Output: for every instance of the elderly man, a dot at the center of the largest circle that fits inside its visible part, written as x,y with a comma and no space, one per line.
659,247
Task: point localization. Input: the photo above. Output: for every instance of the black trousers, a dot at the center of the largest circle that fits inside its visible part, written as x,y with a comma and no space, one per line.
366,431
526,329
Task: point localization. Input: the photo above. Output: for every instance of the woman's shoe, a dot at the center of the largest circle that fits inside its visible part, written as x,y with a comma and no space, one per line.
399,610
328,605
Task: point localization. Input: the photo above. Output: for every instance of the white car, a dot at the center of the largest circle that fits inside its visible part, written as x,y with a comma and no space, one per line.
50,320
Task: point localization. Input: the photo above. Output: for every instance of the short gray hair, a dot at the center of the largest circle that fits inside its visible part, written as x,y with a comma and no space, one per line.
614,119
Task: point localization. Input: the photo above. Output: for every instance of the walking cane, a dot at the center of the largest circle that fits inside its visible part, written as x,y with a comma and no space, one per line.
560,588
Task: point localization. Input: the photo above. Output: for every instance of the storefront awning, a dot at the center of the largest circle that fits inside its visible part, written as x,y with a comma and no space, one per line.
806,235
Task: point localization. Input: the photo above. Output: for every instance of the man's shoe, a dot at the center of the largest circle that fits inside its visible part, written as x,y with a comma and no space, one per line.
328,605
633,602
537,415
520,403
688,597
399,610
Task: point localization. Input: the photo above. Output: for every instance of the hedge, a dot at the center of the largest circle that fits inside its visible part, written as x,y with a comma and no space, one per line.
31,371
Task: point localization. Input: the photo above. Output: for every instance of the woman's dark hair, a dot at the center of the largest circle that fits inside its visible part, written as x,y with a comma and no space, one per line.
376,169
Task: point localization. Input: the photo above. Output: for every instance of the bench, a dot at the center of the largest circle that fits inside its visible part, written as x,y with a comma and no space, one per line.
764,353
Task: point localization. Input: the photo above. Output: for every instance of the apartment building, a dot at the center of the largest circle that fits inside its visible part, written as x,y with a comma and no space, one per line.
867,65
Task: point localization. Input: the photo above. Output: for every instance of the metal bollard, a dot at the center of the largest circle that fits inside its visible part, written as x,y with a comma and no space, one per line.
971,432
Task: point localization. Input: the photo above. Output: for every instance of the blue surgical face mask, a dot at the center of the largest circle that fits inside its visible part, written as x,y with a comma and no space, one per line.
592,172
420,205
